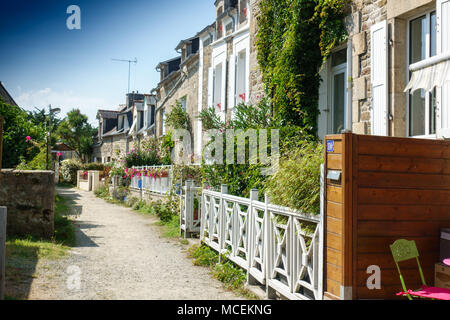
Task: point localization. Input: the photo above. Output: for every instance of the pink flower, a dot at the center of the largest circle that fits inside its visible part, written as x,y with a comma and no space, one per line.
28,138
58,154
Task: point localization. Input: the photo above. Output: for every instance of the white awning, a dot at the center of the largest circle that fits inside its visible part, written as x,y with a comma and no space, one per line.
430,73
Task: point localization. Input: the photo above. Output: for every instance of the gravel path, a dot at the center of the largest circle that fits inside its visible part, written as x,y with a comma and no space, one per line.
121,255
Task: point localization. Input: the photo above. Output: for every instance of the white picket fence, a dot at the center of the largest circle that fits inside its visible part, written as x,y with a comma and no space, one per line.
190,206
157,185
278,247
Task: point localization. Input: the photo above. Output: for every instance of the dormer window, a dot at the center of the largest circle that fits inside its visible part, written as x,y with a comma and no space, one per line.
243,11
229,28
219,30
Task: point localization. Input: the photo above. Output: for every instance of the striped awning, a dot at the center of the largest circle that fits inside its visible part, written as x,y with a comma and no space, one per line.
429,73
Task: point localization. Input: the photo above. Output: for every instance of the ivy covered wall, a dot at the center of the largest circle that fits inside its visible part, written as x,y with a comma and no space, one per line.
294,37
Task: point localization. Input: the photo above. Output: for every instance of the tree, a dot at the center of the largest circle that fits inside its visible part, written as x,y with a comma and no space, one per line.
77,133
17,127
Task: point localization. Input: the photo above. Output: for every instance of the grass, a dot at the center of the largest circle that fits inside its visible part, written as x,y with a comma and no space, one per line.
64,229
232,276
22,255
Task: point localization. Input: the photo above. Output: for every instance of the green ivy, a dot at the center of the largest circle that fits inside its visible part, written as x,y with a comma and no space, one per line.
294,37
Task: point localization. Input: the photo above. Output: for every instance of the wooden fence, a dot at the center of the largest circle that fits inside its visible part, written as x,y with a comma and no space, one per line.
381,189
278,247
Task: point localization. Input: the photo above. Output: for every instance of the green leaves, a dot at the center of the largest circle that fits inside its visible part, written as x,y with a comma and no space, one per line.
294,37
77,133
17,126
178,118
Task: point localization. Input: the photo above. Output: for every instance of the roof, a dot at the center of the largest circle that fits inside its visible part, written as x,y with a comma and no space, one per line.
174,64
5,96
62,147
107,114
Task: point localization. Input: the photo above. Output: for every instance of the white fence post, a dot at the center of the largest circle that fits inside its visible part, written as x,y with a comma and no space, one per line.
3,213
223,190
321,232
254,193
188,208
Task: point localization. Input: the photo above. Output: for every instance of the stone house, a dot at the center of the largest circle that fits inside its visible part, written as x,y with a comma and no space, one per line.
179,84
392,45
119,129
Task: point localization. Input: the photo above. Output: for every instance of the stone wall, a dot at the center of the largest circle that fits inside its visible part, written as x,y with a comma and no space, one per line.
256,85
365,14
30,198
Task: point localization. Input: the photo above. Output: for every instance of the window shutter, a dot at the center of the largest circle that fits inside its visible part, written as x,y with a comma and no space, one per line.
224,88
210,86
232,82
443,45
379,78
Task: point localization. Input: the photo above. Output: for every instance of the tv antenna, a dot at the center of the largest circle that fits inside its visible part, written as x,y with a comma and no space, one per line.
129,68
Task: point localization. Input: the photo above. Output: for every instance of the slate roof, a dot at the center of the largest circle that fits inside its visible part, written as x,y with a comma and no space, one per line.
5,96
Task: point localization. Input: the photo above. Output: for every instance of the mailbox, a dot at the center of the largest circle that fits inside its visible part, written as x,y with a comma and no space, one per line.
334,176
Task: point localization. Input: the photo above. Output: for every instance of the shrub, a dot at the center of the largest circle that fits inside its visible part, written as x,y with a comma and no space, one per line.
102,192
297,181
94,166
69,170
131,201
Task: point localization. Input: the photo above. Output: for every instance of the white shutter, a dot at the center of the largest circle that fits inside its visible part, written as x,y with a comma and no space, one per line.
210,86
379,78
232,82
224,88
443,45
322,121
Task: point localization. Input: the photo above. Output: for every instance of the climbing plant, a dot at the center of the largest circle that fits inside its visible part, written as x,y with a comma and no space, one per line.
294,37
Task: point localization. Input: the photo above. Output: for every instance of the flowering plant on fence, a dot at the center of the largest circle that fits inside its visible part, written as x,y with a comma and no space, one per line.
84,175
139,173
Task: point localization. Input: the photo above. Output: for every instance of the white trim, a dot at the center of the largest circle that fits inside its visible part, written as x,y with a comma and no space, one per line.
342,68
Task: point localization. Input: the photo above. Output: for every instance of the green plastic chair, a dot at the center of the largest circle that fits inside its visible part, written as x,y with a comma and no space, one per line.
403,250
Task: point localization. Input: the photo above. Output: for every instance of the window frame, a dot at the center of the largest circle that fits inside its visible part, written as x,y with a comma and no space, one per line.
428,97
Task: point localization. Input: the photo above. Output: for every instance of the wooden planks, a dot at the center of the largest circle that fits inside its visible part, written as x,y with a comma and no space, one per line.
392,188
403,191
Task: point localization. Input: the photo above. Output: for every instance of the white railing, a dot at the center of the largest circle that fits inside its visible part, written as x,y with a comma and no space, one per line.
277,246
190,199
157,185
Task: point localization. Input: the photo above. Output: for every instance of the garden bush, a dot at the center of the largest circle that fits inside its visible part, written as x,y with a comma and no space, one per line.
297,181
69,169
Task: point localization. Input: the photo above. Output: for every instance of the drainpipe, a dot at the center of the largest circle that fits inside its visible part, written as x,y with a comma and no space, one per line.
232,19
348,118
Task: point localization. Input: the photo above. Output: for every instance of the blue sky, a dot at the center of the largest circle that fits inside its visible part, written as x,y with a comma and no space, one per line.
42,62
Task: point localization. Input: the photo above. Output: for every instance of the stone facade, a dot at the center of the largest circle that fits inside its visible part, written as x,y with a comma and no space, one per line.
111,147
365,14
255,82
30,198
183,84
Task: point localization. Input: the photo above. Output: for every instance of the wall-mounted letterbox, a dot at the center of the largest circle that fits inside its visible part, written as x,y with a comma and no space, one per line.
334,176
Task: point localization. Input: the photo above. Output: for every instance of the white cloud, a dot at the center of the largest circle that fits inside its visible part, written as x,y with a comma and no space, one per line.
65,100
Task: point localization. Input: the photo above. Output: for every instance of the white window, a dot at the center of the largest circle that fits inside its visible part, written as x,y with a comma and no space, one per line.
339,90
241,77
421,46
